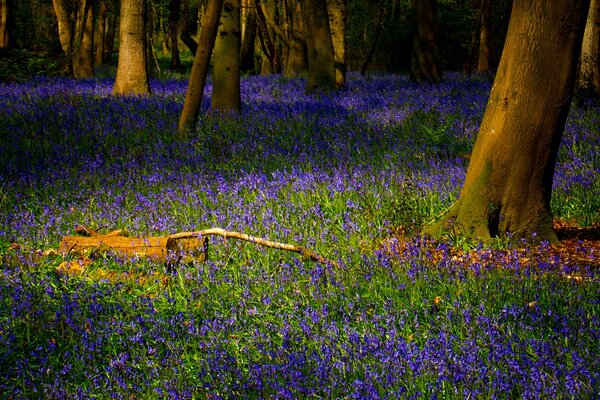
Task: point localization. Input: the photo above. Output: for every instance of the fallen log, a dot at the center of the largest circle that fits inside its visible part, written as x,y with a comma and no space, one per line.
160,248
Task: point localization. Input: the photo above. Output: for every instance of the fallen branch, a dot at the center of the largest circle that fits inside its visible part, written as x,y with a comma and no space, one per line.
306,253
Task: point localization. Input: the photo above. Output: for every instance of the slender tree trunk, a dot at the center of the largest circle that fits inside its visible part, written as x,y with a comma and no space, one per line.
589,73
425,64
100,33
373,47
248,40
337,22
189,26
5,23
321,64
270,62
195,90
132,68
174,16
111,28
226,69
83,48
509,180
485,36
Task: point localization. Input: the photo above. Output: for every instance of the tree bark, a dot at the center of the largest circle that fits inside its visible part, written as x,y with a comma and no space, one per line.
589,73
248,40
100,33
189,27
5,23
195,90
509,179
321,64
485,36
337,22
132,69
226,69
111,28
65,33
174,17
83,48
425,66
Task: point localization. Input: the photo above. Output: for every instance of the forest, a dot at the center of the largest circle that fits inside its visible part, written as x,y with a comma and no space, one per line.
289,199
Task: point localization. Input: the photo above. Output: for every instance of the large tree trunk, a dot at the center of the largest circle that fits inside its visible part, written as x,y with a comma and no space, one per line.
425,64
509,180
189,26
195,90
5,23
226,68
83,48
321,64
132,69
337,23
589,73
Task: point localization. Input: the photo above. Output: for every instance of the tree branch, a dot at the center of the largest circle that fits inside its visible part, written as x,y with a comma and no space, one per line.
256,240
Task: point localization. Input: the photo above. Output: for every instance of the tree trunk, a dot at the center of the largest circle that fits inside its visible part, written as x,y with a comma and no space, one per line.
195,90
189,27
65,33
270,61
5,23
132,69
111,28
589,73
100,33
337,22
83,54
321,64
485,36
174,16
509,180
248,41
424,60
226,68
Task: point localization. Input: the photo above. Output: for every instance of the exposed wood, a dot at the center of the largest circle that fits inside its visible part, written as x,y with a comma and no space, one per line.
160,248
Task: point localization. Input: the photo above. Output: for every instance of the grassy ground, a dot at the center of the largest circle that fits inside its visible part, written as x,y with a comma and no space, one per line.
339,174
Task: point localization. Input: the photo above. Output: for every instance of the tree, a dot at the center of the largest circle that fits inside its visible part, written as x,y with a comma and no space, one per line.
293,38
5,23
337,23
132,69
195,90
174,16
589,73
248,38
226,69
425,64
509,179
321,64
100,33
83,47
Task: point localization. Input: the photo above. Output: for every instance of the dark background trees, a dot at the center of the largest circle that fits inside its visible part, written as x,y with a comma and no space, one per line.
378,34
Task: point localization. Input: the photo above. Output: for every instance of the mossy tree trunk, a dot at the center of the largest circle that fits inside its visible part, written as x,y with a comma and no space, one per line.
226,69
132,69
509,179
